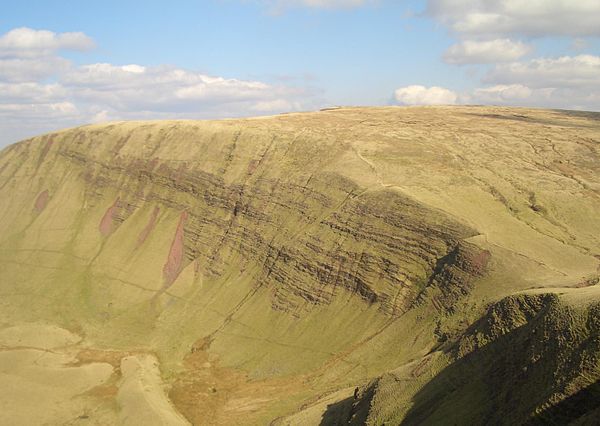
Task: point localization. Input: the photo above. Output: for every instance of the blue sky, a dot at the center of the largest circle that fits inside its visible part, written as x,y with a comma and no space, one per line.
66,63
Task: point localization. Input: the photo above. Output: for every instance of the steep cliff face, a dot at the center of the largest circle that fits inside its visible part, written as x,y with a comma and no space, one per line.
302,238
274,260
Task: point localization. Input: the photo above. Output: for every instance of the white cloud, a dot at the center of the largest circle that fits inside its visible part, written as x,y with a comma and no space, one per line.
31,92
26,42
582,71
31,55
485,52
137,88
133,68
42,91
568,82
133,91
501,94
57,109
32,69
276,105
542,97
491,18
421,95
487,29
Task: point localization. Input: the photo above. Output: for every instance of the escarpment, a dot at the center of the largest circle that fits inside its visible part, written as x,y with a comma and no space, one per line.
304,239
350,266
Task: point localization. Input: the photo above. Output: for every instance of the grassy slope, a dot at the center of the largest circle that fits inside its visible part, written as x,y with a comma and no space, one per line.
276,202
530,359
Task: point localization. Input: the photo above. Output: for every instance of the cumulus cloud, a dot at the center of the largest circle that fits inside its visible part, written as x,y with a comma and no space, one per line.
544,97
582,71
31,93
30,55
162,89
501,94
485,52
566,82
41,110
106,91
486,31
27,42
569,82
421,95
276,105
508,17
41,90
32,69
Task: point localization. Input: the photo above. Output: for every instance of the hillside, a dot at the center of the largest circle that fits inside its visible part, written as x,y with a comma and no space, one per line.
445,261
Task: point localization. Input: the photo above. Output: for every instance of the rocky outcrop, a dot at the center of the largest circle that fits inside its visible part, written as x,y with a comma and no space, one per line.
454,276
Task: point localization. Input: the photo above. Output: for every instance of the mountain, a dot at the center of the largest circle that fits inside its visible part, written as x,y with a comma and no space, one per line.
427,265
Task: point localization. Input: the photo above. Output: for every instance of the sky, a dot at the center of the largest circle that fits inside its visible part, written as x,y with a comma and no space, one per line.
66,63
